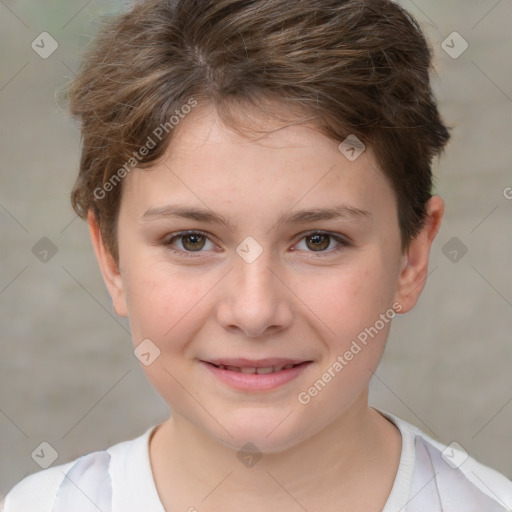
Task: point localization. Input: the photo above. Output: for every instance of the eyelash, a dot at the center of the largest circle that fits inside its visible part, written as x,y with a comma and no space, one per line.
343,243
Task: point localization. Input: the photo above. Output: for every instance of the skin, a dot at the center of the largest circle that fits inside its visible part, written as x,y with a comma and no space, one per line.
294,300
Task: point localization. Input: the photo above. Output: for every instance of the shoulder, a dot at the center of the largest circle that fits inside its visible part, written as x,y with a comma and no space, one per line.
446,475
83,484
36,492
462,479
76,485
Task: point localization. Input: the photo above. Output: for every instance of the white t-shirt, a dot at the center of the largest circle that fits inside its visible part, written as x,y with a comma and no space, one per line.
431,477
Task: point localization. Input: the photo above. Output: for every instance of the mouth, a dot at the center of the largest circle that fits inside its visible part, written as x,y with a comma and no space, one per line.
256,375
260,370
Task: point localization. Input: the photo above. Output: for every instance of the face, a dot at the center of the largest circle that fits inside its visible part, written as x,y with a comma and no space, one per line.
264,272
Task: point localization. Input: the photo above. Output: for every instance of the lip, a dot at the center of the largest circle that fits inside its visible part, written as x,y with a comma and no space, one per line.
254,363
253,381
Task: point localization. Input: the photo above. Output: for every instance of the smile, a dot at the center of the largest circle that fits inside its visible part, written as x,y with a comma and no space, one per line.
255,376
259,371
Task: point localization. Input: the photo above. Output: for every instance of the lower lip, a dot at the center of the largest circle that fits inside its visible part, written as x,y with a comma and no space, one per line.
254,381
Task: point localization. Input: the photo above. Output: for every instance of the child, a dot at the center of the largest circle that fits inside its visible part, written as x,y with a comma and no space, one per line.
256,175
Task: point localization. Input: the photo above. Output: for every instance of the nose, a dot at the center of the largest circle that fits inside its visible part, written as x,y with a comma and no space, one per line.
254,299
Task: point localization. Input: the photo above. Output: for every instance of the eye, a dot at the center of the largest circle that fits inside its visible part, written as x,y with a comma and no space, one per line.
190,242
319,242
187,243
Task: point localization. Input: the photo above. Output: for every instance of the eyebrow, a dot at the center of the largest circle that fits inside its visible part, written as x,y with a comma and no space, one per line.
341,211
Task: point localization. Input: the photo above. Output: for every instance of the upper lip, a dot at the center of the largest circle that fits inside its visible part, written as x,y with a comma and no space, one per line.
254,363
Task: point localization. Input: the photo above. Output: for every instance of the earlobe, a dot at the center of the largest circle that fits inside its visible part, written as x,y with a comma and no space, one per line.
108,266
414,267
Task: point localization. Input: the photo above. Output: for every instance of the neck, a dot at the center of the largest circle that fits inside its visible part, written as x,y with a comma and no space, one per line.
192,470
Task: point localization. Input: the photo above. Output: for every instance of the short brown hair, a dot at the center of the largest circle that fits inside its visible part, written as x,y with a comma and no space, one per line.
356,67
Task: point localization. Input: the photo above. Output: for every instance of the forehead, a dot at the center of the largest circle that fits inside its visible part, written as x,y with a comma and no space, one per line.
265,139
209,164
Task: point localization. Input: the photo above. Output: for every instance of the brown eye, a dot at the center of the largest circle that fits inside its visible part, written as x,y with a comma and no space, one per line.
188,243
318,242
193,242
322,243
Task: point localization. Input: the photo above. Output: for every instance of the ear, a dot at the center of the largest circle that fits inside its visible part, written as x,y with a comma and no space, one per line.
414,268
108,266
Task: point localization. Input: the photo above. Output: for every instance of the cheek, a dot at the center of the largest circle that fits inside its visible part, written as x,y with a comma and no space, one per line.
167,308
357,309
351,299
161,303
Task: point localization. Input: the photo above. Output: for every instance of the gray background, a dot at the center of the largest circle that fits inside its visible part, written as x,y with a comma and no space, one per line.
68,374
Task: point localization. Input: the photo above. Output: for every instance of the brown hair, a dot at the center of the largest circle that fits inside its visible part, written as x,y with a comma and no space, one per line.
352,66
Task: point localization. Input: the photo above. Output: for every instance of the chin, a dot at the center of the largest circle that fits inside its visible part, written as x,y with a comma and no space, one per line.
259,432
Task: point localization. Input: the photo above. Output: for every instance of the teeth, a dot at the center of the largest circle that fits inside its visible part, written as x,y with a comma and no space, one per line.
262,371
259,371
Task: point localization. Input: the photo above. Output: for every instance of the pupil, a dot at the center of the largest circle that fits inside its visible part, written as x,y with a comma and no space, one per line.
319,241
195,239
